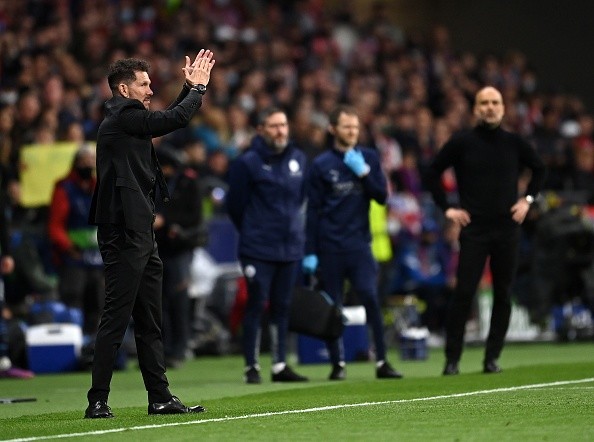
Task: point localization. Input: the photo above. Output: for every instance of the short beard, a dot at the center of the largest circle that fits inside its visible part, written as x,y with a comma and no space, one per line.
278,147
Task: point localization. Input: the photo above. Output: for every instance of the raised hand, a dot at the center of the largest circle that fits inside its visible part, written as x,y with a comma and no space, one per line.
198,72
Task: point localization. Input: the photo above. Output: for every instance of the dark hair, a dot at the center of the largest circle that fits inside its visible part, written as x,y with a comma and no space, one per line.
337,111
124,71
263,115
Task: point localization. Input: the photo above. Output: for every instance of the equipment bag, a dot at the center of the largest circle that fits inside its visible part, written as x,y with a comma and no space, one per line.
313,313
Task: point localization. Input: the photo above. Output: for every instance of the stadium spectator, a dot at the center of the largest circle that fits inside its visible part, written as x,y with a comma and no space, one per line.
178,230
582,171
552,147
74,243
422,266
241,132
27,121
7,369
6,145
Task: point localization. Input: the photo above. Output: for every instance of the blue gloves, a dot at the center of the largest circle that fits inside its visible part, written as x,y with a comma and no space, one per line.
355,161
310,264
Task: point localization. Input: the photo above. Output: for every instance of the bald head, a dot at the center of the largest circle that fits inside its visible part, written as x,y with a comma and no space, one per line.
488,107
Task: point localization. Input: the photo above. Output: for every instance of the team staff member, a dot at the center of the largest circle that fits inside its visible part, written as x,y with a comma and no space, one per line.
341,183
487,161
123,208
265,201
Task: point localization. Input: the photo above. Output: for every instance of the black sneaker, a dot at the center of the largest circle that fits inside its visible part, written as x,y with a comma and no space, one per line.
98,410
451,369
252,376
385,371
288,375
338,373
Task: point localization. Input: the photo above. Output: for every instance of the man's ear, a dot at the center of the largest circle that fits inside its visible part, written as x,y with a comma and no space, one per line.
123,89
331,130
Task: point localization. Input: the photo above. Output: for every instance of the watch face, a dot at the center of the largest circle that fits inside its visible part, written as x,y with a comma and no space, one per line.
201,88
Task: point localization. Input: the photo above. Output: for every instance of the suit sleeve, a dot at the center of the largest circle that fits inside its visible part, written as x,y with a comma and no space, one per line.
142,122
182,94
240,184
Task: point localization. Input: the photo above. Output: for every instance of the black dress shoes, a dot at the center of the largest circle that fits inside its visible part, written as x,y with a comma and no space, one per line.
173,406
491,367
450,369
98,410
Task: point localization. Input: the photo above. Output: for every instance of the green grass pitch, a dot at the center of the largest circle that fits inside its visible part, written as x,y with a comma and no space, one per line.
545,393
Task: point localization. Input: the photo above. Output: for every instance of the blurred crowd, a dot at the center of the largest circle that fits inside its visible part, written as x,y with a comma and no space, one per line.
411,91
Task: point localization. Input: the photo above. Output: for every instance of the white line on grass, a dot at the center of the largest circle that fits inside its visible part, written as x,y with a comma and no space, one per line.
305,410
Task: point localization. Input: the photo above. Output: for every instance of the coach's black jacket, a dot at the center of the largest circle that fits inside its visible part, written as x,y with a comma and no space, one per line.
127,168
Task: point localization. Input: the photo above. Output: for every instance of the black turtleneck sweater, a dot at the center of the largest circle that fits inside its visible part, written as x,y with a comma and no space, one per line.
487,163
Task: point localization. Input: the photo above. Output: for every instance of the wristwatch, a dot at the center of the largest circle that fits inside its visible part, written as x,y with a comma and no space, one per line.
200,88
529,199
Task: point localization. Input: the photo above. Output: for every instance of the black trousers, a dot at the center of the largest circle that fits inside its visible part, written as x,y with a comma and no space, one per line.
133,288
477,242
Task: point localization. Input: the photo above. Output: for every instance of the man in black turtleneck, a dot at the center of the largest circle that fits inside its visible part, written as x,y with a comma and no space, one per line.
488,162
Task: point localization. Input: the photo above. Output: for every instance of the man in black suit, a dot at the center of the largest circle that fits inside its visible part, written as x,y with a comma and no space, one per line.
123,208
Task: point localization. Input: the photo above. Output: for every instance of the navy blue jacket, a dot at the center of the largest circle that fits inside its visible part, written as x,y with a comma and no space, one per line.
266,202
338,202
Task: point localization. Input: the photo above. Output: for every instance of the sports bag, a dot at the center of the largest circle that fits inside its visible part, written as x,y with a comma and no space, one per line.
313,313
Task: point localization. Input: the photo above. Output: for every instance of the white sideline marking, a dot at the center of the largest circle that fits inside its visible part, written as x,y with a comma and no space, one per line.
306,410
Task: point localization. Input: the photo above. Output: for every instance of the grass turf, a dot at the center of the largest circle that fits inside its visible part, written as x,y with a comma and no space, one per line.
422,406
